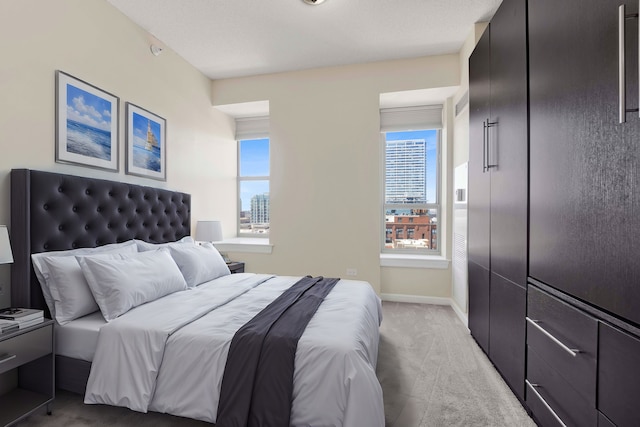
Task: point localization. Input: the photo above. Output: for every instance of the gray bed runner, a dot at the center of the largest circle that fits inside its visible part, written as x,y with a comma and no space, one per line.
257,385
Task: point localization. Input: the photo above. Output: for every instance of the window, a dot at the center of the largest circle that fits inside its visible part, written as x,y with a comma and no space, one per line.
411,179
253,177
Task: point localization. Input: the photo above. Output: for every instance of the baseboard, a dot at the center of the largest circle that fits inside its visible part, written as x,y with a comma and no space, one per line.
464,318
417,299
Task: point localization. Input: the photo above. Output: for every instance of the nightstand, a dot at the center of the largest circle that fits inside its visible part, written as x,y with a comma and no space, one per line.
236,267
26,371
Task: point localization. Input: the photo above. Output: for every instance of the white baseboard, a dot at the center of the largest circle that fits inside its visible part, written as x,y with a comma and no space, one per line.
428,300
464,317
415,299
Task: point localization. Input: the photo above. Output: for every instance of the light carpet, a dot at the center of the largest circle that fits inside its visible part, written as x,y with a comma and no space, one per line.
432,374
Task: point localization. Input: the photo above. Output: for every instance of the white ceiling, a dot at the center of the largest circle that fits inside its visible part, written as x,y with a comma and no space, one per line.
234,38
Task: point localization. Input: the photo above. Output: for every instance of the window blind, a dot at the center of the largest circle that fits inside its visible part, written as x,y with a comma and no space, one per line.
252,127
411,118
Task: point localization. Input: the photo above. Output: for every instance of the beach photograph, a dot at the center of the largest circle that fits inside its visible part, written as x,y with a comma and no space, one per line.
86,124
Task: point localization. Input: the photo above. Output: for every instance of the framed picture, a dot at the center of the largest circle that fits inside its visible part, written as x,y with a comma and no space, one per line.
146,143
86,124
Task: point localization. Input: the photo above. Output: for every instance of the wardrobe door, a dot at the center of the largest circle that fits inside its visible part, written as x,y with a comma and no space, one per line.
584,164
479,177
508,142
479,305
507,331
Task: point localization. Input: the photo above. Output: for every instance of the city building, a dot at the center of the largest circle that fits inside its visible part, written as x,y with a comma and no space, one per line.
406,171
260,209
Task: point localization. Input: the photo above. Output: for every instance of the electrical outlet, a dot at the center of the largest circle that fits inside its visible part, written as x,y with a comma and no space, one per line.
352,271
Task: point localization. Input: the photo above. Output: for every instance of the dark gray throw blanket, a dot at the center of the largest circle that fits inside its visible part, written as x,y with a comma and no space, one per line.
257,385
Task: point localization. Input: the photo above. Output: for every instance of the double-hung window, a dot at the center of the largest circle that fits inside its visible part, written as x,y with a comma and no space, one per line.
411,208
253,176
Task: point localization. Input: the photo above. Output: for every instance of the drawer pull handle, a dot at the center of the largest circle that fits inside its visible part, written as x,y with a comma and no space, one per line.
572,351
5,357
544,402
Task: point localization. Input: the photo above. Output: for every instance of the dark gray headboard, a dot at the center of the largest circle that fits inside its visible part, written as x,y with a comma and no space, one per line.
51,212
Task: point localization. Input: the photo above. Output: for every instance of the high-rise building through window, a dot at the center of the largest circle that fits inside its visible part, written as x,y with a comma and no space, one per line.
260,209
406,171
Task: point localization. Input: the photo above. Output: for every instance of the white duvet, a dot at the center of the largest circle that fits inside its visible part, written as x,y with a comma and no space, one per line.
169,355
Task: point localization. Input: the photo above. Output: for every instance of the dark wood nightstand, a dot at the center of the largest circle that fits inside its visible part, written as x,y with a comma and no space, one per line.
29,354
236,267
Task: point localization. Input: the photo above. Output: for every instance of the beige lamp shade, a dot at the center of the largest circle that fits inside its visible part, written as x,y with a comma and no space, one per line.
6,256
209,231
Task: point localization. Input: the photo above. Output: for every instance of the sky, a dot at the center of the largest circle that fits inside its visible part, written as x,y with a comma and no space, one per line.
88,109
254,161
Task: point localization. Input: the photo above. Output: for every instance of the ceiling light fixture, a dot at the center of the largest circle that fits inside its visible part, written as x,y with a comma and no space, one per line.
313,2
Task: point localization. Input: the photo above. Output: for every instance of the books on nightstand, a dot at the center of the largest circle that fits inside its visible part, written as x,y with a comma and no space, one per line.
19,318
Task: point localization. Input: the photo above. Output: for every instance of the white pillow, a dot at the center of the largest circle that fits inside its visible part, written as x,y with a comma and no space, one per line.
70,292
43,274
120,285
146,246
199,264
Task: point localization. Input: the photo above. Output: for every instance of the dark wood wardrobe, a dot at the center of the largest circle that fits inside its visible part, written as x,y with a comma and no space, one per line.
556,274
498,192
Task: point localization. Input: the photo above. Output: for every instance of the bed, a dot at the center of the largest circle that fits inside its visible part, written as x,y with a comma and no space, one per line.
181,367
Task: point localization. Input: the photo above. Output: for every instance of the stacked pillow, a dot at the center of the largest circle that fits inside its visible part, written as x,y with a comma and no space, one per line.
65,280
116,278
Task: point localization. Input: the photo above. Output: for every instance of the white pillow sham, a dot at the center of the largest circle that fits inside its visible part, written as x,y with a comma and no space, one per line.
199,264
43,274
70,292
146,246
120,285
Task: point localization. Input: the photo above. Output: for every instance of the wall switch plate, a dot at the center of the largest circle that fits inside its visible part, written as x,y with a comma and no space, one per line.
352,271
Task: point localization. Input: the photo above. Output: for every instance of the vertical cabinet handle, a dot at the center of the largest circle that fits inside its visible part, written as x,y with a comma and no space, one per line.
622,79
485,130
622,84
488,153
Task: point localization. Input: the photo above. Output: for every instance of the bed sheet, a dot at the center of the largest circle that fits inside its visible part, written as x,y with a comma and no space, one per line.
173,352
78,339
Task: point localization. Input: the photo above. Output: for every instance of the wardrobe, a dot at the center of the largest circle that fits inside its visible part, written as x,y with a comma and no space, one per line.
580,340
497,234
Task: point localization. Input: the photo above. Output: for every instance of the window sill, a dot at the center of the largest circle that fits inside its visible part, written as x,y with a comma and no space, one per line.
414,261
245,244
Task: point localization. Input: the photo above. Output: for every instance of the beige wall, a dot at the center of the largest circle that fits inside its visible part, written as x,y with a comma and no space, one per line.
325,134
93,41
325,168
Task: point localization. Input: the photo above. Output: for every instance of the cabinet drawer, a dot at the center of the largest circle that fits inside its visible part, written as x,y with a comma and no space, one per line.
26,347
604,421
573,408
542,412
619,376
565,338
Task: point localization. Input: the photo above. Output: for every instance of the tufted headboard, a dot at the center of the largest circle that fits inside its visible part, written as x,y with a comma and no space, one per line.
52,211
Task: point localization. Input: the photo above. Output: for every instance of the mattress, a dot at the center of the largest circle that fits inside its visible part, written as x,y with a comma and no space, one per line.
78,339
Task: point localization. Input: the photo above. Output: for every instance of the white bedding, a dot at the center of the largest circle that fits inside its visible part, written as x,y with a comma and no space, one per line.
78,339
155,357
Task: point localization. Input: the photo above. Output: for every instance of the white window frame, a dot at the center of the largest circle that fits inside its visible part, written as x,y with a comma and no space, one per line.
251,128
404,120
